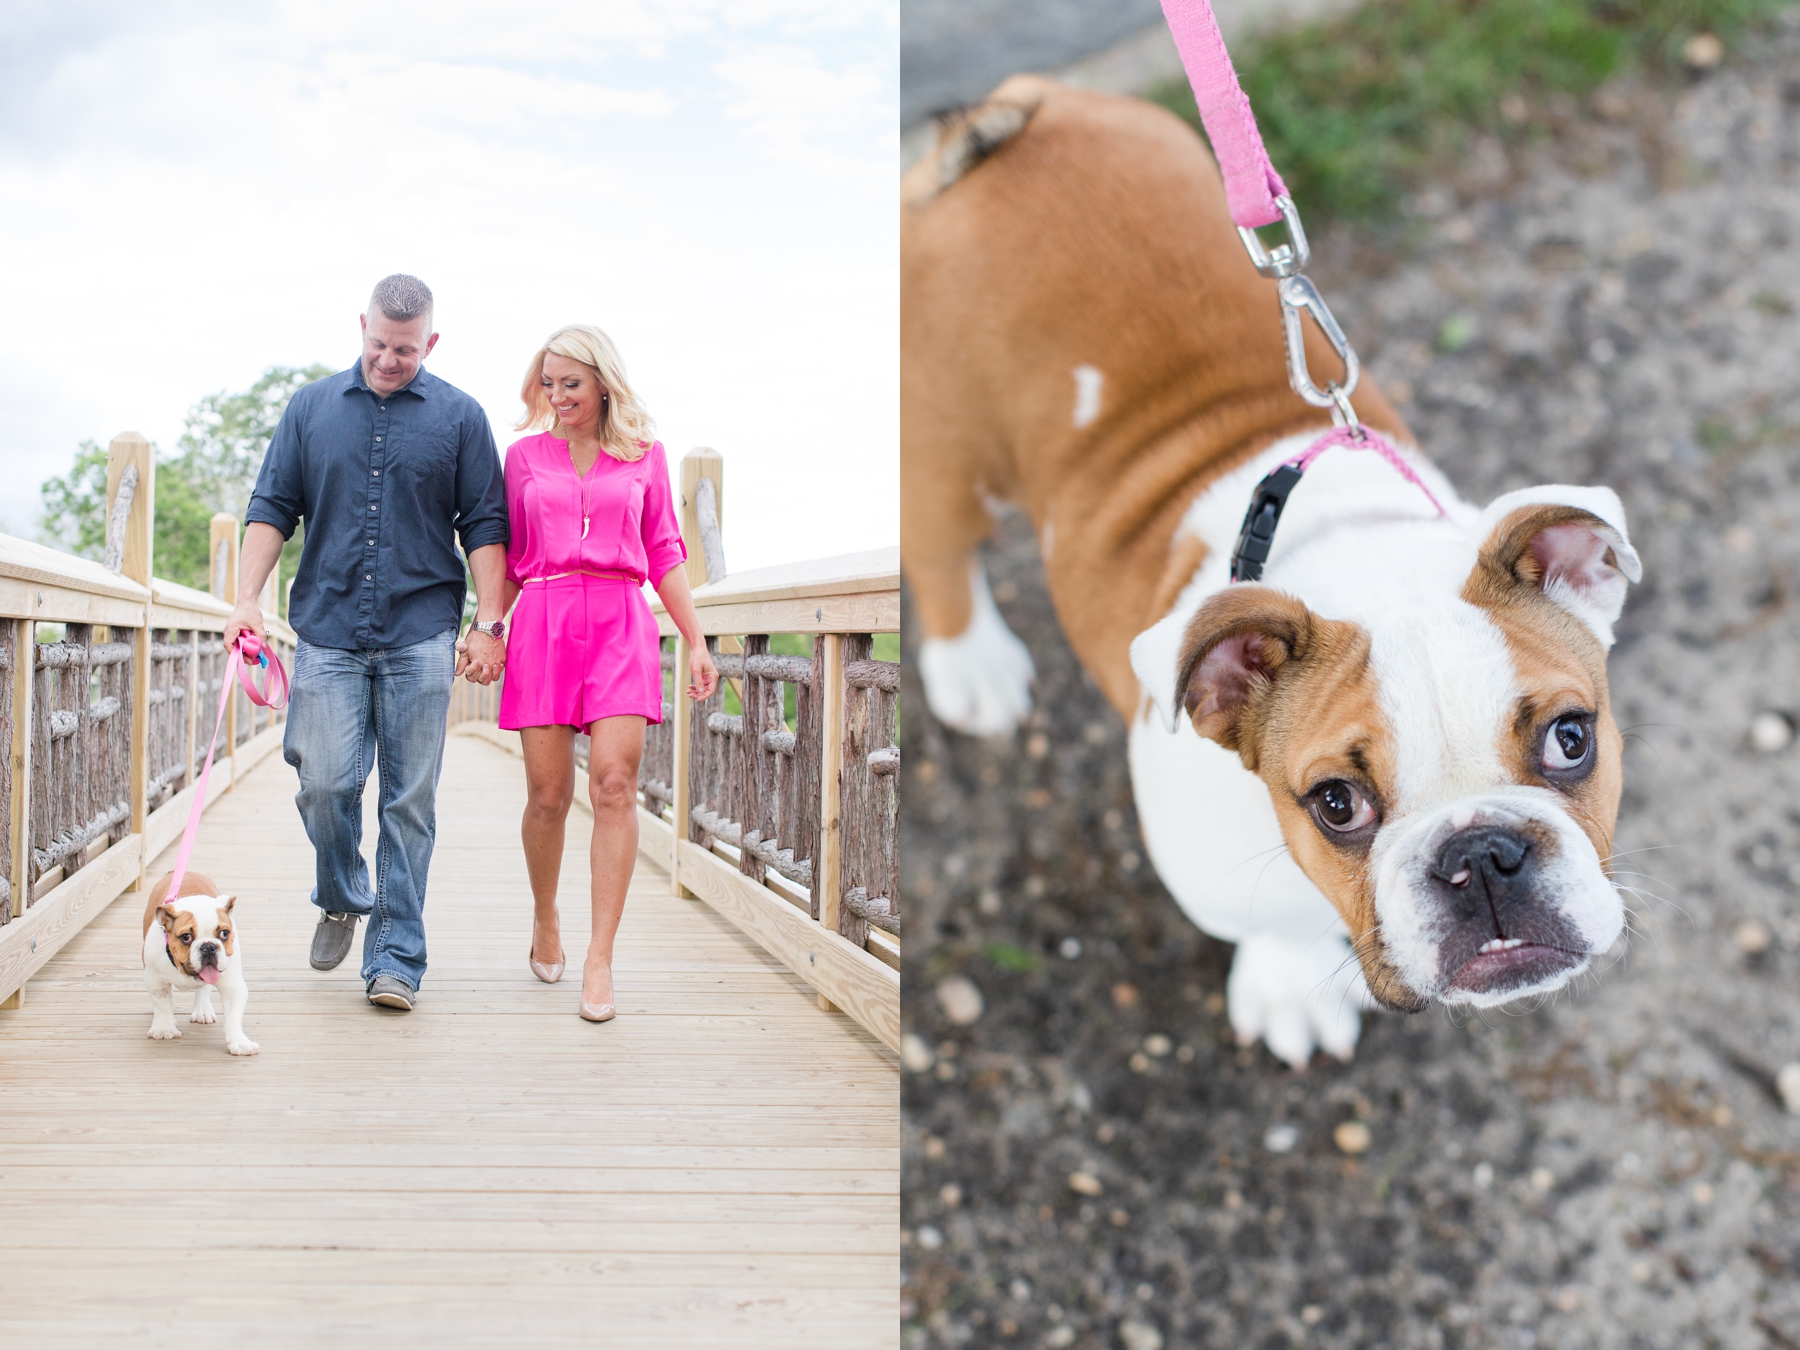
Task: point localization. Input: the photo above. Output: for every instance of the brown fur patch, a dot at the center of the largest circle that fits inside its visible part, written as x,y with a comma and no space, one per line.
1560,663
1098,236
193,883
225,930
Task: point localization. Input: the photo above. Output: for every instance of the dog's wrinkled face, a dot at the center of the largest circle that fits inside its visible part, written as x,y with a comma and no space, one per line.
1445,765
202,938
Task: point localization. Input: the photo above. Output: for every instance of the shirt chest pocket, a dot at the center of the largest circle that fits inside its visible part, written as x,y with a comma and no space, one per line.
424,461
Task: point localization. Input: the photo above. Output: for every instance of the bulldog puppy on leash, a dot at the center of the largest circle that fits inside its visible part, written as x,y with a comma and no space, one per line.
1388,768
190,943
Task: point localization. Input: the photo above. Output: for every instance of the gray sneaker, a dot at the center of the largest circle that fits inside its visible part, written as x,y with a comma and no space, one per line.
390,991
331,940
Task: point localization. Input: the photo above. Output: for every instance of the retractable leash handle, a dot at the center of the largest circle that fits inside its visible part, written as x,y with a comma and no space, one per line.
1256,197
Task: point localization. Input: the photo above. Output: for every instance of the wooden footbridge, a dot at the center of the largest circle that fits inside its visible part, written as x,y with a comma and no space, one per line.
717,1166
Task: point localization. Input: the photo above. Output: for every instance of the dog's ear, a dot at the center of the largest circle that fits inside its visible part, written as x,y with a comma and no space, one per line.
225,904
1235,647
167,916
1569,543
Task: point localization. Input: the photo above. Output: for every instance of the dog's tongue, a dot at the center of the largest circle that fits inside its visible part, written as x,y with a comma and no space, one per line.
210,974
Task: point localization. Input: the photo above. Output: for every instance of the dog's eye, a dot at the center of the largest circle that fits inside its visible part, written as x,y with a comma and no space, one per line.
224,935
1567,744
1341,807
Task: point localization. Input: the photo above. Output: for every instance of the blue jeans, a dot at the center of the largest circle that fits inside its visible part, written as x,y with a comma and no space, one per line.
348,709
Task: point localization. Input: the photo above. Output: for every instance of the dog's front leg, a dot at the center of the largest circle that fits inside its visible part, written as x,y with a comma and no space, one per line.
203,1008
236,994
162,1008
977,673
1297,996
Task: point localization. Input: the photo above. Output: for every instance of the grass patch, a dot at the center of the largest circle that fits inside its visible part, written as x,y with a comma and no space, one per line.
1013,960
1360,108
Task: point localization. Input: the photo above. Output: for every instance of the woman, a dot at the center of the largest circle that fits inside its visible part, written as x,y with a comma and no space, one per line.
592,519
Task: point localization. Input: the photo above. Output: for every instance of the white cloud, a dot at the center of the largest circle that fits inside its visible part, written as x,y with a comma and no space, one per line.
199,190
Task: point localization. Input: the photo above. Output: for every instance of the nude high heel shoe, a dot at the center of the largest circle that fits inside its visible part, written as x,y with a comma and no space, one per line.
599,1012
548,972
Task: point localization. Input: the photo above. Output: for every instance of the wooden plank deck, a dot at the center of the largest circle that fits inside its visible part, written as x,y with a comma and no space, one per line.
717,1166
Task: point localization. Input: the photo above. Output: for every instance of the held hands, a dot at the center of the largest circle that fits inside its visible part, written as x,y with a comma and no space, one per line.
705,674
246,617
480,658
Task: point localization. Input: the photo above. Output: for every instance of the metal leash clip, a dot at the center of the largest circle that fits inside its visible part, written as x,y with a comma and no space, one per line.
1298,295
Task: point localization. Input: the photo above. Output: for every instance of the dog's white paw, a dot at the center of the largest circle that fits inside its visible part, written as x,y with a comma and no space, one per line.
1297,998
978,682
203,1014
243,1046
165,1031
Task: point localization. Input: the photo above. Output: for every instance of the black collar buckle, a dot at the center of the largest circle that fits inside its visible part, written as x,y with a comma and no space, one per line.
1258,534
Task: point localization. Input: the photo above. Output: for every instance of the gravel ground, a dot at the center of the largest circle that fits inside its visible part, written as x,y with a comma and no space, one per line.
1090,1161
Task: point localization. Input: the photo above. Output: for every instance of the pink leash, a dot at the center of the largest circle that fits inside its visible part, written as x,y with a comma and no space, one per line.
1256,196
246,648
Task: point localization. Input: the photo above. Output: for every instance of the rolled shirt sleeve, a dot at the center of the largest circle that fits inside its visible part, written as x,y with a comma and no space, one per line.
663,548
481,508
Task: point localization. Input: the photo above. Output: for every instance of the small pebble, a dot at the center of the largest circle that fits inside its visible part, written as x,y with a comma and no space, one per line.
951,1195
1641,1271
1037,745
1069,949
1139,1335
1019,1289
1542,1179
1787,1083
1703,51
1139,1062
1156,1045
1060,1337
930,1238
1282,1138
935,1148
960,1000
1752,937
1119,1219
1352,1137
915,1055
1085,1183
1312,1314
1567,1300
1771,732
1703,1194
1124,995
1482,1176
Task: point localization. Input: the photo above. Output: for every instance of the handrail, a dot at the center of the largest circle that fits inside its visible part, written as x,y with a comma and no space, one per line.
788,827
100,730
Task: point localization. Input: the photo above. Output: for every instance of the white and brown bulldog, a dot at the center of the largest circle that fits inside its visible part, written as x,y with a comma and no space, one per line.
191,943
1388,769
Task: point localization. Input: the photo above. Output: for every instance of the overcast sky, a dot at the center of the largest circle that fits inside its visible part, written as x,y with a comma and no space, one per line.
196,190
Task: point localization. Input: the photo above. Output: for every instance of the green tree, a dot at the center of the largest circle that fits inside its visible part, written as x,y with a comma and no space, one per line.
213,469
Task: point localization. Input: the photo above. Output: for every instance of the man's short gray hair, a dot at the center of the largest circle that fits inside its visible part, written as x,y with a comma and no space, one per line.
402,298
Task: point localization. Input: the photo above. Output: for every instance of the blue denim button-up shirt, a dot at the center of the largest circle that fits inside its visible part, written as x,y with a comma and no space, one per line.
385,485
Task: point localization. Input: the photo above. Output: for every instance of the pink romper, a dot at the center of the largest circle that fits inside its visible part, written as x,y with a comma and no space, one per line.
580,647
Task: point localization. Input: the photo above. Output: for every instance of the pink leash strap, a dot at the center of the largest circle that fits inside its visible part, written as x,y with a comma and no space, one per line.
1366,438
1251,183
247,645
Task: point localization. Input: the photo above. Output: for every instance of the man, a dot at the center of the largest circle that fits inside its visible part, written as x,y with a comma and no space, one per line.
387,465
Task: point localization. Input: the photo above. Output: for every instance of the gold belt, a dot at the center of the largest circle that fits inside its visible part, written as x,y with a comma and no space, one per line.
579,572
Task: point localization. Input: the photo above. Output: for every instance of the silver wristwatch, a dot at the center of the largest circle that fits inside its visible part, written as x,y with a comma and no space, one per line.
495,630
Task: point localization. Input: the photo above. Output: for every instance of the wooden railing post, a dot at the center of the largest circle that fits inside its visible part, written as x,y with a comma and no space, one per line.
23,657
700,462
128,450
222,575
829,863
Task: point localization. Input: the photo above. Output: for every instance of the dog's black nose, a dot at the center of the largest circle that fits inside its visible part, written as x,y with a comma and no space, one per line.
1488,868
209,950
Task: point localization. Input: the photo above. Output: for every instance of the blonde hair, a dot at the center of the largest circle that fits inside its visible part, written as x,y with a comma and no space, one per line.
626,429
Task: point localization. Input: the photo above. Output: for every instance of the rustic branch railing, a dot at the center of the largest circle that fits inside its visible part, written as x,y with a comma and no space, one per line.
784,821
100,719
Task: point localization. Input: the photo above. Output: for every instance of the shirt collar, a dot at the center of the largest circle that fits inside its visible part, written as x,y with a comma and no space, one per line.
421,382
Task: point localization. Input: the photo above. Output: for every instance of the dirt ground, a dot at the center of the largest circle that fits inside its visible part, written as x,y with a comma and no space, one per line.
1092,1162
